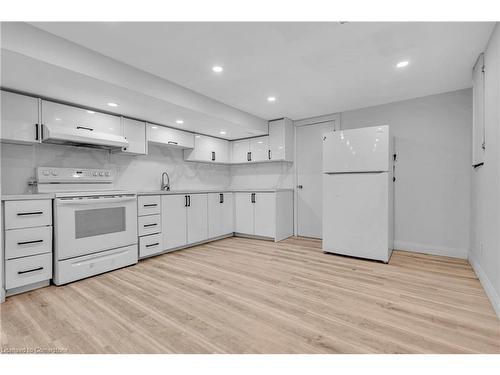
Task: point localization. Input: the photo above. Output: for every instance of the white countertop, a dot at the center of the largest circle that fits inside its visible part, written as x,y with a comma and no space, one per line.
19,197
201,191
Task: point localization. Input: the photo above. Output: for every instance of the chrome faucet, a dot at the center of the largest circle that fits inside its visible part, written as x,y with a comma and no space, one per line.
165,186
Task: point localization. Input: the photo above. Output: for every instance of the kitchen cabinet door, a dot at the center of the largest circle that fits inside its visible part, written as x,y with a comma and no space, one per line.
174,221
265,214
169,137
19,118
197,218
81,119
259,148
227,213
220,214
135,134
221,149
240,150
208,149
281,139
243,213
215,213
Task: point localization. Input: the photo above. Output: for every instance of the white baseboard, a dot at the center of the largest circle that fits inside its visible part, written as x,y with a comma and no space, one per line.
430,249
486,283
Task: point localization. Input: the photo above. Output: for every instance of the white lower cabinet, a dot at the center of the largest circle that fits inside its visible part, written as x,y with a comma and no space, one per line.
244,213
150,245
197,219
220,214
149,226
184,220
264,214
174,224
28,244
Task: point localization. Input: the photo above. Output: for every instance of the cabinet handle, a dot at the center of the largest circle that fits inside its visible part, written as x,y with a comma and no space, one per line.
36,132
185,201
33,270
150,205
153,244
85,128
269,154
29,213
221,198
150,225
29,242
249,156
213,155
172,143
189,201
252,198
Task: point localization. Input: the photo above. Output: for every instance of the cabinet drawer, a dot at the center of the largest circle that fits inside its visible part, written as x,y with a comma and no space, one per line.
149,225
25,242
25,214
148,205
28,270
150,245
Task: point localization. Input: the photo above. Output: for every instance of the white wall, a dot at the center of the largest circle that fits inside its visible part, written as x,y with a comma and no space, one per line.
134,172
432,191
485,236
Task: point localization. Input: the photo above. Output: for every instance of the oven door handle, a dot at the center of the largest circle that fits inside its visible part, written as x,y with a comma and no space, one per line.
93,200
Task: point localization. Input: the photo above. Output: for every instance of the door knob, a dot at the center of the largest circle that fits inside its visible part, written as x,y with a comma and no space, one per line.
299,186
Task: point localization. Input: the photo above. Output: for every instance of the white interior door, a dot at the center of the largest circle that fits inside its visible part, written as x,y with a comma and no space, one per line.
309,160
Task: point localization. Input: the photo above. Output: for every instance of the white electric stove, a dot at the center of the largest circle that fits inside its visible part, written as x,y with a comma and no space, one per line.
95,226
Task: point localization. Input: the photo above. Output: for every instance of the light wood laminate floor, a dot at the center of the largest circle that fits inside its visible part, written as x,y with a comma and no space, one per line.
248,296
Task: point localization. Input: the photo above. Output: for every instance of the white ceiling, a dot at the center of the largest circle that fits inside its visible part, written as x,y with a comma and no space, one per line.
311,68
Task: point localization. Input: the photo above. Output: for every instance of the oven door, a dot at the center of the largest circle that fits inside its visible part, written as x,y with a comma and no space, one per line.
88,225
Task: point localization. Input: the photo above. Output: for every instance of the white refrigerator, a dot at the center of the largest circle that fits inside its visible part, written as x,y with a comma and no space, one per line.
358,208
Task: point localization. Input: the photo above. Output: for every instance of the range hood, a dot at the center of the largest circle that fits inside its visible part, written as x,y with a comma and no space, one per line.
68,135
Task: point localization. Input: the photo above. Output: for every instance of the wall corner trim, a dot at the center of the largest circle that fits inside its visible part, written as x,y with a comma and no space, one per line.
486,283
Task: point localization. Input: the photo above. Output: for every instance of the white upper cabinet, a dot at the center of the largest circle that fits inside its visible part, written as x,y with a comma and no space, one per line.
169,137
259,149
478,133
281,139
209,149
19,118
240,151
135,134
82,120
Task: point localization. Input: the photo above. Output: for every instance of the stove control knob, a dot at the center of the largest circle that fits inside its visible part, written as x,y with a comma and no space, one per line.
45,173
94,174
101,174
53,173
107,174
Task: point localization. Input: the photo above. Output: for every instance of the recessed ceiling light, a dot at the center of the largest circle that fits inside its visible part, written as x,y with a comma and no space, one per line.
179,121
271,98
58,119
222,132
154,127
89,111
402,64
217,69
111,104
